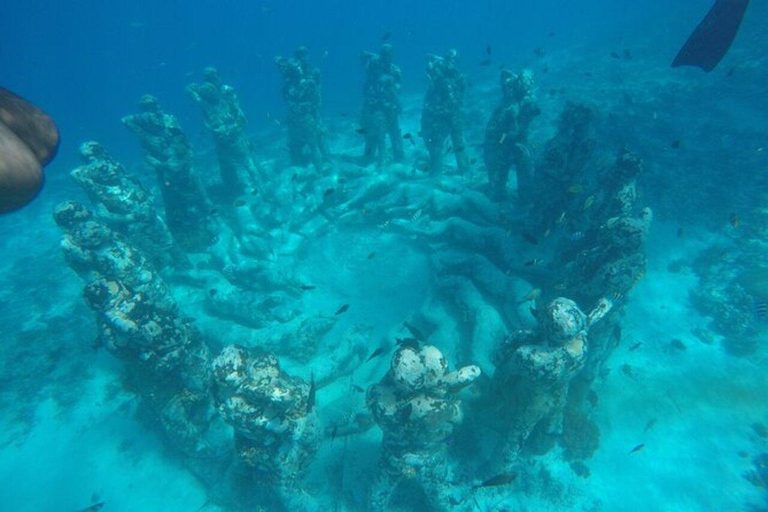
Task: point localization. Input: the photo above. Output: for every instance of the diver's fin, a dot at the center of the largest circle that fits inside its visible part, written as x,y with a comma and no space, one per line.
708,44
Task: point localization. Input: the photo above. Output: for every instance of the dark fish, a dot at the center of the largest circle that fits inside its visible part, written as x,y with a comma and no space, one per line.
343,309
329,192
637,448
761,309
488,49
357,388
485,63
615,55
307,287
93,508
404,413
255,192
239,203
680,233
495,481
334,432
361,131
539,52
371,255
617,333
627,53
530,238
214,211
552,34
386,36
472,161
731,71
212,292
677,344
635,346
592,398
416,333
376,353
408,136
648,426
533,262
709,42
407,343
312,394
675,144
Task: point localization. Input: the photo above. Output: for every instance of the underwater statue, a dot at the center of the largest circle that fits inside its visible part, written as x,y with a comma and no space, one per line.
534,370
302,95
168,151
168,366
381,105
417,407
226,121
29,140
123,203
506,136
275,423
442,116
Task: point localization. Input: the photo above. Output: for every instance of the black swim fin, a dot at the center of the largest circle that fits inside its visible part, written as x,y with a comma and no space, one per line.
708,44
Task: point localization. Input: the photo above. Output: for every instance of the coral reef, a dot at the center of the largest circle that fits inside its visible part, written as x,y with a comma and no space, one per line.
442,115
168,152
506,136
381,105
417,407
301,92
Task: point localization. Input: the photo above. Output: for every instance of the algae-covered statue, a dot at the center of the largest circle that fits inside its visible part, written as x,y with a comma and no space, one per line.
506,136
442,116
381,105
534,370
303,99
417,407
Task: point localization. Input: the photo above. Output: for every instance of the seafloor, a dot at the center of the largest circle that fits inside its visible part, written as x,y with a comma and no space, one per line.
69,433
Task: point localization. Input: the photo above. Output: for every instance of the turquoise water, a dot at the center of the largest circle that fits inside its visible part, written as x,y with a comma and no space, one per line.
236,326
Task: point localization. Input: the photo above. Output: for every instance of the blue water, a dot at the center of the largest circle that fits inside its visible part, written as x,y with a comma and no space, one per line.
73,430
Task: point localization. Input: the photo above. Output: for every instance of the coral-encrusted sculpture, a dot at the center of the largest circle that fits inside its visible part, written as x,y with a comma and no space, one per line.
273,415
93,251
534,370
301,92
381,104
506,136
168,364
123,203
417,407
226,121
169,153
442,114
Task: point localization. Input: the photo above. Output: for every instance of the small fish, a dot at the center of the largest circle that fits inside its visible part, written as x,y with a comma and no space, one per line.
532,295
617,333
680,233
329,192
731,72
530,238
214,211
386,36
648,426
637,448
588,74
407,343
615,55
255,192
502,139
589,203
361,131
761,309
307,287
239,203
560,219
416,215
416,333
495,481
627,53
539,52
334,432
488,49
371,255
485,63
677,344
635,346
312,393
343,309
593,399
575,237
472,161
93,508
575,189
533,262
675,144
212,292
408,136
735,220
357,388
376,353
